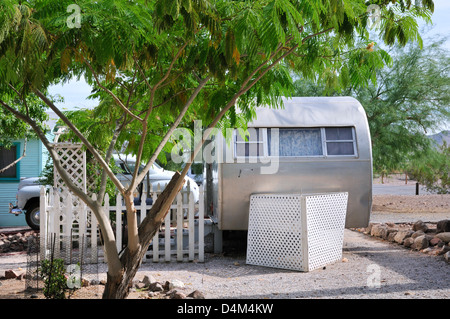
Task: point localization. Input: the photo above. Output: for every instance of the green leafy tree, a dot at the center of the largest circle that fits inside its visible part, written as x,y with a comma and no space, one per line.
409,99
155,64
432,170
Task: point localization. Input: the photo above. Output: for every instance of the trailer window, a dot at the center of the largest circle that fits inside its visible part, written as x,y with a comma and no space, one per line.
297,142
251,144
340,140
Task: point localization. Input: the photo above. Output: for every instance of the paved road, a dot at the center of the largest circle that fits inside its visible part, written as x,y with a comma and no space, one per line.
386,189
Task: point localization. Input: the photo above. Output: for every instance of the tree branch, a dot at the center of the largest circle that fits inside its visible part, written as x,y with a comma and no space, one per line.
82,138
116,99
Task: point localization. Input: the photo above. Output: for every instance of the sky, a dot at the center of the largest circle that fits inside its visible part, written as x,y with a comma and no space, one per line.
75,93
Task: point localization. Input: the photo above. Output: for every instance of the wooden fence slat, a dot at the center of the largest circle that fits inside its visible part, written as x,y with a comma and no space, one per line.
201,226
167,237
180,221
119,222
94,235
43,222
191,215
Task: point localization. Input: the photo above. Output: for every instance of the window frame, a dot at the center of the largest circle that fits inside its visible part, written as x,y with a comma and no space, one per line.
353,140
323,138
17,165
262,141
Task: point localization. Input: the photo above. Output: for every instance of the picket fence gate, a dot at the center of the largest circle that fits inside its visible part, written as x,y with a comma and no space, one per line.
61,213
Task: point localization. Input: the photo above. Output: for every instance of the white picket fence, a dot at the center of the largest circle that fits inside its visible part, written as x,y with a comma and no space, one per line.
65,215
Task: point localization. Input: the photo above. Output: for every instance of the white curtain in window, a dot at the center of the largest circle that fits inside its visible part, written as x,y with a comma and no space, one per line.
298,142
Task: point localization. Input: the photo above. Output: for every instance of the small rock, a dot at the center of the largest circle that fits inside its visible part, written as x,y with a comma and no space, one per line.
391,236
344,260
177,295
408,242
402,235
156,287
443,226
11,274
176,284
166,286
435,241
420,225
442,251
377,230
148,280
417,234
421,242
368,229
447,256
21,276
95,282
445,237
196,295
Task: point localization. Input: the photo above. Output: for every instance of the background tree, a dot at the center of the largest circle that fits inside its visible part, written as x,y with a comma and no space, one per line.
432,170
155,63
409,100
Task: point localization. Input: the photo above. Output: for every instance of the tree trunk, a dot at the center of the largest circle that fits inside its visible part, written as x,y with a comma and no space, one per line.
118,283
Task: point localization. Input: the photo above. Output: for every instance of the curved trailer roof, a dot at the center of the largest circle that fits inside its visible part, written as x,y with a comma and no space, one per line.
312,111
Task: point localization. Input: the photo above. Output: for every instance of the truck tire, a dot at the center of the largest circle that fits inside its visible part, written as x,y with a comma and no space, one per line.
32,214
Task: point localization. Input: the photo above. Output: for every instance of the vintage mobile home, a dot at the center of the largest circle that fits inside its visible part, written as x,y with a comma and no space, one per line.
311,145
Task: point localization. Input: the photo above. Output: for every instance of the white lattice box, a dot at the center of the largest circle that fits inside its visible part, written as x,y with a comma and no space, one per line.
296,231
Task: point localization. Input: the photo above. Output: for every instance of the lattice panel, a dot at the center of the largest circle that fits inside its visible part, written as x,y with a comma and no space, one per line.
274,231
297,232
325,222
73,160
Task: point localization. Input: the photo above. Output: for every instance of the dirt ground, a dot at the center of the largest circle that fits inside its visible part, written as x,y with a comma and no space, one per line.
384,204
408,208
411,203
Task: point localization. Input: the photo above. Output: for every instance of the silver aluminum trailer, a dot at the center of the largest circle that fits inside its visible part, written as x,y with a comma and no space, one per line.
311,145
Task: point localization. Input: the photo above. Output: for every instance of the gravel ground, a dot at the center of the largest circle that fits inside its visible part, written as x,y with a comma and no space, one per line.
370,268
402,274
